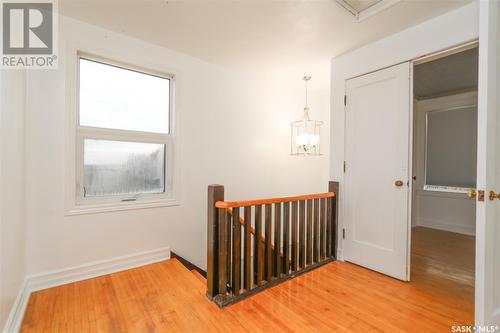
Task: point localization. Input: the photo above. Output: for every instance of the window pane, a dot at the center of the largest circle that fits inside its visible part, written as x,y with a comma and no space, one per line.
452,147
114,97
117,168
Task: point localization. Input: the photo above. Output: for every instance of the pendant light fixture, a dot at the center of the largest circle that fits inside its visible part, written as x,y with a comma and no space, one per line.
305,133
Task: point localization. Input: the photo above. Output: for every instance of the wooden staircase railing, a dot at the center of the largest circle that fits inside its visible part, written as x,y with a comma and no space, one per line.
252,229
295,235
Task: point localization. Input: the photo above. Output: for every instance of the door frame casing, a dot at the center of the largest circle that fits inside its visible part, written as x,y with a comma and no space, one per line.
488,108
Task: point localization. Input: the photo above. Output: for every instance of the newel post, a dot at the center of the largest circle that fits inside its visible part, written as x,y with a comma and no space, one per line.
215,193
334,187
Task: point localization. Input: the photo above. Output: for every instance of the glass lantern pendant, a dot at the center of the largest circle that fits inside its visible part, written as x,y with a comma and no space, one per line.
305,138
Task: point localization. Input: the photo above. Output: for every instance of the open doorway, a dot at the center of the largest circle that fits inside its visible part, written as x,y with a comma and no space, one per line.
444,176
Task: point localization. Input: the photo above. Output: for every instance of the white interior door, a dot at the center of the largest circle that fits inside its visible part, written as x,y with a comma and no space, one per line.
376,173
488,168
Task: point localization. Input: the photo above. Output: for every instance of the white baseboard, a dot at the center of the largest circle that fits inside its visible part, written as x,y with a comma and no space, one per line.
13,323
340,254
77,273
466,230
86,271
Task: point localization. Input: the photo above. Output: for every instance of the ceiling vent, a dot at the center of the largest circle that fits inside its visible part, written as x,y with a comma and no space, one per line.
362,9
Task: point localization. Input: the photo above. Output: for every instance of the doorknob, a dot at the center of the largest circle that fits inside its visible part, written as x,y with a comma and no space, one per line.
398,183
471,193
494,195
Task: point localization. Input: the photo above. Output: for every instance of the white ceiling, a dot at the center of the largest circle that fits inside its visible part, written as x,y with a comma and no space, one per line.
446,76
296,37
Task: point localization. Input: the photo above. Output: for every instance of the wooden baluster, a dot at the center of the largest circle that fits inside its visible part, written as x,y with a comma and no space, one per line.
277,240
236,274
258,247
322,222
329,227
286,238
295,243
229,261
223,236
316,231
334,187
268,232
215,193
309,247
248,246
302,233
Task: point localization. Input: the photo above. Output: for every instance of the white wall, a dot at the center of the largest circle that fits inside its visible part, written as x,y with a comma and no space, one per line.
451,29
234,130
439,210
12,209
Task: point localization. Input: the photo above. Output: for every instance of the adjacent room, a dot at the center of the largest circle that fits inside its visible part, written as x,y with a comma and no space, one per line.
444,173
250,166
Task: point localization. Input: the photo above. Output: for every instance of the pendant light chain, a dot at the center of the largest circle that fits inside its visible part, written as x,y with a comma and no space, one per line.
306,91
306,107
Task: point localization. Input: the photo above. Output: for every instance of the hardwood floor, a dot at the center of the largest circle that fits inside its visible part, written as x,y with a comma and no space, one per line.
443,264
338,297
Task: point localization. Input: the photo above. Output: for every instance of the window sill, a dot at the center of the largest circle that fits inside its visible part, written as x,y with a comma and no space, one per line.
446,189
119,206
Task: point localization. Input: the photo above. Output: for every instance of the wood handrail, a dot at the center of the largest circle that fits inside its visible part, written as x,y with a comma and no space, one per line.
232,204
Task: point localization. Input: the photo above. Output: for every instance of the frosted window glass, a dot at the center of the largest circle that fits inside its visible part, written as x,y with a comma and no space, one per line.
452,147
118,98
118,167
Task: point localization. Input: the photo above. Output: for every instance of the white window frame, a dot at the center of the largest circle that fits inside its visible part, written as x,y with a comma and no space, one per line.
82,204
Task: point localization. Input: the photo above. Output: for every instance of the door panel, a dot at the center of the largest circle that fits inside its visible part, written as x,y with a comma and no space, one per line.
487,306
377,155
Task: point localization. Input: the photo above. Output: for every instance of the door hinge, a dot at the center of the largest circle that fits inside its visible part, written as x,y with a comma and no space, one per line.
345,166
345,100
343,233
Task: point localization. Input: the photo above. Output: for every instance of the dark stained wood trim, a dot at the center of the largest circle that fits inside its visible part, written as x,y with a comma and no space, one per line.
322,222
277,265
236,261
302,234
248,248
335,187
286,238
295,241
188,264
215,193
223,247
268,250
258,247
316,231
309,231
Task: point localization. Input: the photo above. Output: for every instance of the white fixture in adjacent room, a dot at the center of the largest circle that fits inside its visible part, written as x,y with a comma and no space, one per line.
305,138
